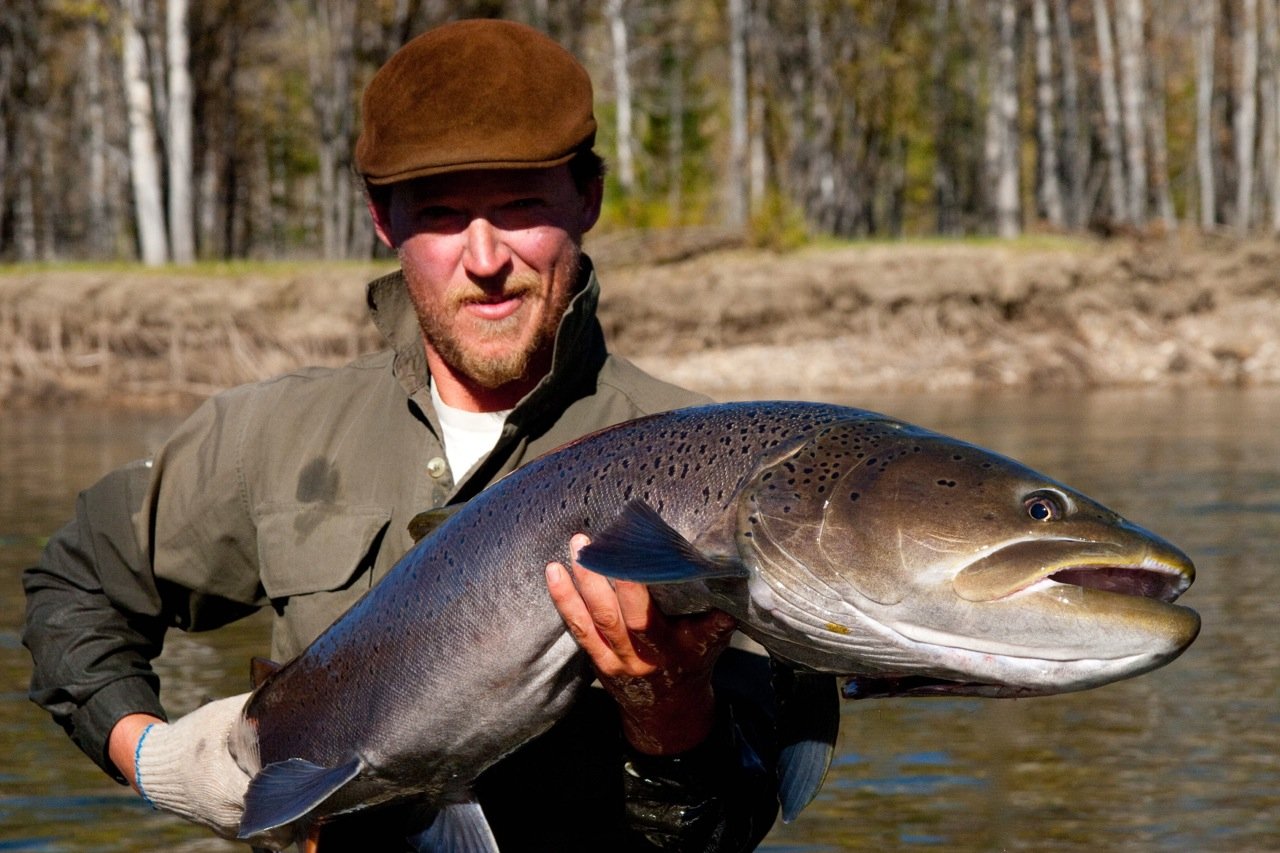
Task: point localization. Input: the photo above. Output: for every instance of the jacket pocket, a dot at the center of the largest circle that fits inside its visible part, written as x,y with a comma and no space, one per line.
310,548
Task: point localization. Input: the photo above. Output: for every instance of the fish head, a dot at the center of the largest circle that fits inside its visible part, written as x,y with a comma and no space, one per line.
919,564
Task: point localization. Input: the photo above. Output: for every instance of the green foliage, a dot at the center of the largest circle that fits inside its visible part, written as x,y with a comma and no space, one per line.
778,224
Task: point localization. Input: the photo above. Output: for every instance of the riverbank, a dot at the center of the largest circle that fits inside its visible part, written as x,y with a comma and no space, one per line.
725,320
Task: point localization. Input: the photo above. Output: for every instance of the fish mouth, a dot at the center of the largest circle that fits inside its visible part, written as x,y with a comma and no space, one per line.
1157,583
1155,570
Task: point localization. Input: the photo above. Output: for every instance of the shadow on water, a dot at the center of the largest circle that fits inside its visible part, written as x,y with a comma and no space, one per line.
1186,758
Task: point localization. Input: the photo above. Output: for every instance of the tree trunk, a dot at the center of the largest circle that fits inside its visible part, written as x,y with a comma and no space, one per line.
1111,134
181,168
1002,118
1130,41
1204,115
625,142
736,177
1049,190
331,56
675,124
1156,128
1075,157
823,203
758,155
98,243
1245,119
144,166
1270,149
946,208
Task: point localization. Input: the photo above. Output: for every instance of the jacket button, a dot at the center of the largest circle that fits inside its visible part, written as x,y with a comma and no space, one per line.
437,467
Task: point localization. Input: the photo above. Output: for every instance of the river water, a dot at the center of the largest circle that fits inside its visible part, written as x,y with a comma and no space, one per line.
1186,758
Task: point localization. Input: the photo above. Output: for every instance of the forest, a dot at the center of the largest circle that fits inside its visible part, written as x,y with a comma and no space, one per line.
165,131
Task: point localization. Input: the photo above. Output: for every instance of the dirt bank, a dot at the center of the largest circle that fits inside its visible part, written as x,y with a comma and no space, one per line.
710,316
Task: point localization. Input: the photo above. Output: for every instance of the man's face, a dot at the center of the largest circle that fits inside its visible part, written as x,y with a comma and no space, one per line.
491,260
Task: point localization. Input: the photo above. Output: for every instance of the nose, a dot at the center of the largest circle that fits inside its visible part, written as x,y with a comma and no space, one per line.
487,253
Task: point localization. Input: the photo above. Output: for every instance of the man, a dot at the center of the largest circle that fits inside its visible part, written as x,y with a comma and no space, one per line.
296,493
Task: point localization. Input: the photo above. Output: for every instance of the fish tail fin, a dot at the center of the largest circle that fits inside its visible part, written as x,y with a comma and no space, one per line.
458,828
287,791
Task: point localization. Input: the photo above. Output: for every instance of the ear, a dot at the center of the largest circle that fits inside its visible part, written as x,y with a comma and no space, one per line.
592,201
379,204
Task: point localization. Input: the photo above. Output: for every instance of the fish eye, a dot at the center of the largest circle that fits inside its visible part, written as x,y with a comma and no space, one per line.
1043,507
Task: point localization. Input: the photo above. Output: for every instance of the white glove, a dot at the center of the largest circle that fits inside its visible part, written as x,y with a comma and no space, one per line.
185,767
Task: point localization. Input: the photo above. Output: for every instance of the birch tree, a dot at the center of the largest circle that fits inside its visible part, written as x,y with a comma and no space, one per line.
1133,83
736,173
1205,38
181,168
1155,122
1245,119
95,115
331,27
1048,191
144,165
1112,145
1002,118
1270,147
1074,155
625,136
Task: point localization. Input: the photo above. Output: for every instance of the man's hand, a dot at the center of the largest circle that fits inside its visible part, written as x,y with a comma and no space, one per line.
186,767
657,668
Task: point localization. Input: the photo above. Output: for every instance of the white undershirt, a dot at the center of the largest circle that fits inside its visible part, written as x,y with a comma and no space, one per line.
468,436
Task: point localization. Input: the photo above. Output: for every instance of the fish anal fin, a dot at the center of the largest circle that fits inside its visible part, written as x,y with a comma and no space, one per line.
287,791
458,828
260,669
808,723
640,546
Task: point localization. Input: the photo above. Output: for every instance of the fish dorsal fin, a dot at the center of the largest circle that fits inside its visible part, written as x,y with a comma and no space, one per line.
289,790
458,828
425,522
260,669
808,723
640,546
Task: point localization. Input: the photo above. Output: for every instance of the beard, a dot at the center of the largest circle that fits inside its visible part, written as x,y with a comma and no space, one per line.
495,353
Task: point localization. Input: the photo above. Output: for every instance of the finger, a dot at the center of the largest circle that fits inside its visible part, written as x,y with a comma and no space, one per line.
647,628
573,610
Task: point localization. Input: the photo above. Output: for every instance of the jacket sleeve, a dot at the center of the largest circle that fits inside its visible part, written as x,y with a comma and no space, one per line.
98,607
94,619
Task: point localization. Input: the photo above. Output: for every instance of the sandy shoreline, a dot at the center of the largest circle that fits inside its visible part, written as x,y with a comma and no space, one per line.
1177,311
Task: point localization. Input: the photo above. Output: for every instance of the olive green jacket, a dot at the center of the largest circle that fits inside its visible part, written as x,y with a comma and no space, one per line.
294,493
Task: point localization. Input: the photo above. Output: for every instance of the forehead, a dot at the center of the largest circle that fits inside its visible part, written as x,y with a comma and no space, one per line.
486,184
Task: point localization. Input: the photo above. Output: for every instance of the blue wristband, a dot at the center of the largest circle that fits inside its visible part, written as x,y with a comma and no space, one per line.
137,773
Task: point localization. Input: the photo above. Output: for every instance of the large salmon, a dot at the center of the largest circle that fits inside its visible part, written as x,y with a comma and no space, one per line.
845,542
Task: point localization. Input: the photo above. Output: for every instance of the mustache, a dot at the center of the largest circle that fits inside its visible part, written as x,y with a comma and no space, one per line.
515,286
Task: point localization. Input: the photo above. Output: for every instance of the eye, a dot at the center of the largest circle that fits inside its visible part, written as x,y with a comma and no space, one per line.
1044,507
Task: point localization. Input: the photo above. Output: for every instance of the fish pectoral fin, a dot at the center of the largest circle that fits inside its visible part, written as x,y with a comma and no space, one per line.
426,522
640,546
458,828
287,791
808,723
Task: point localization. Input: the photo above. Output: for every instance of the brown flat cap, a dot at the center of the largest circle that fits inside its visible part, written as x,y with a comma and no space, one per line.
476,94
